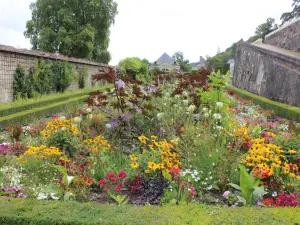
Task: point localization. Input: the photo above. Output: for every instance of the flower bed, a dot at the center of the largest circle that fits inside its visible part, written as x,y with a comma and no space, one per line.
176,141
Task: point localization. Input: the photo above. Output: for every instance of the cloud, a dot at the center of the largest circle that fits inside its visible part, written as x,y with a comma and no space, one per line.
148,28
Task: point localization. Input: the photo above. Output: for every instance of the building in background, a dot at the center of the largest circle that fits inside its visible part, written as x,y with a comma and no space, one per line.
198,65
165,63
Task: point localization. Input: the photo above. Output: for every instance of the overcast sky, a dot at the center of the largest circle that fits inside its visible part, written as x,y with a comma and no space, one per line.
148,28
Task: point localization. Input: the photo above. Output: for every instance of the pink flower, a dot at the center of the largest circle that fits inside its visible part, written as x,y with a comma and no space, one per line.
122,174
287,135
102,182
226,194
118,187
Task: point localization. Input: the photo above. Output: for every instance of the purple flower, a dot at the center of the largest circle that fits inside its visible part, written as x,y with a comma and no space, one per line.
120,84
13,189
21,195
126,116
226,194
6,189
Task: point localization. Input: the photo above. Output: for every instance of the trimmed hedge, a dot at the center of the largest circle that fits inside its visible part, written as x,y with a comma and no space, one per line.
34,212
280,109
6,110
36,113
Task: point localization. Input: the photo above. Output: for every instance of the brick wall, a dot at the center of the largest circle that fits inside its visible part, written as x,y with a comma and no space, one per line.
11,57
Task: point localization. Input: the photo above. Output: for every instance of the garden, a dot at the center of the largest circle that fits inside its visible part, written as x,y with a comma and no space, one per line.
179,145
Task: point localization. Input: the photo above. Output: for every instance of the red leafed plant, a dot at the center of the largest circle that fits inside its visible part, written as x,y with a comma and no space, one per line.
287,200
135,185
113,182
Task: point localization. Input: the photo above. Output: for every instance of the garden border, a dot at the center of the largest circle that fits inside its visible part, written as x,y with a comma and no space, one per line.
280,109
9,110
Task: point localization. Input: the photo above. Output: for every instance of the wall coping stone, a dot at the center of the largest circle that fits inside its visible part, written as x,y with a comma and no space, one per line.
273,33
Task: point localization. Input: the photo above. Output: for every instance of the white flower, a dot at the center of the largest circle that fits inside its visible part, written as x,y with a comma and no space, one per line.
204,109
88,110
217,116
284,127
226,194
42,196
62,117
219,104
206,115
77,119
191,108
159,115
274,194
108,126
52,195
219,127
185,102
70,178
185,93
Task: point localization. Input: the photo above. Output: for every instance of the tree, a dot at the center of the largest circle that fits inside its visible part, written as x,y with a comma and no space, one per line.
288,16
135,66
77,28
62,75
266,28
184,63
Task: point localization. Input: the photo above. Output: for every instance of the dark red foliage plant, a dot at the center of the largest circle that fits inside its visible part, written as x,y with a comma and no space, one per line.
287,200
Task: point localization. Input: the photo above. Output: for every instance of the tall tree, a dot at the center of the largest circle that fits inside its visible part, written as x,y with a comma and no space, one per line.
184,63
266,28
288,16
77,28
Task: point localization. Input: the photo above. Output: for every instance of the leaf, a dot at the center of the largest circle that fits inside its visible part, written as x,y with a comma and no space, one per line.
242,200
235,186
258,192
167,175
68,196
51,188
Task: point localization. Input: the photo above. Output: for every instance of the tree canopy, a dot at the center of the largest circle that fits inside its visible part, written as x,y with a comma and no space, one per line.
184,63
288,16
77,28
263,29
134,66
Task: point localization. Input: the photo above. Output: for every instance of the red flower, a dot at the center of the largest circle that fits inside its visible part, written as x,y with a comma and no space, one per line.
118,187
122,174
112,177
174,170
268,201
102,182
81,166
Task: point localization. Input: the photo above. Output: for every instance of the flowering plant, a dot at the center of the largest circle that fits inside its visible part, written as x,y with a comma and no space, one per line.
113,182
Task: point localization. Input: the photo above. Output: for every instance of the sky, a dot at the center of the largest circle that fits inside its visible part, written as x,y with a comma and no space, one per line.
148,28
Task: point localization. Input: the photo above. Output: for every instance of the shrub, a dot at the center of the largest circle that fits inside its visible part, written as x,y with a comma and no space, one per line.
82,76
62,75
22,84
42,77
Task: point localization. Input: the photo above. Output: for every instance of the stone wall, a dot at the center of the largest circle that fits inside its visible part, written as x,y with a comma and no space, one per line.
268,73
11,57
287,37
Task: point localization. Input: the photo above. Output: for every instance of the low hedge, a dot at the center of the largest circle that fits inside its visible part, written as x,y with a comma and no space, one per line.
34,212
36,113
8,109
280,109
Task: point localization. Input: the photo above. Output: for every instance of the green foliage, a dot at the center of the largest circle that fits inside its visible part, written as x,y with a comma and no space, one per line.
288,16
34,212
77,28
22,84
42,77
65,141
62,75
249,186
184,63
120,199
266,28
83,74
135,68
280,109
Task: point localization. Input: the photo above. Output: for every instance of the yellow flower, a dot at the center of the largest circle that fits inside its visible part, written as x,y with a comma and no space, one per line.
147,171
133,157
143,139
95,150
154,137
292,151
152,165
134,165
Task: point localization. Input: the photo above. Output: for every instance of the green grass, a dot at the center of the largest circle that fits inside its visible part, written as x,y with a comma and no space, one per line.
280,109
19,211
27,104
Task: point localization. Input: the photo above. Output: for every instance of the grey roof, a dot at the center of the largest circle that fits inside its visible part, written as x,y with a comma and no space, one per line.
165,58
202,61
